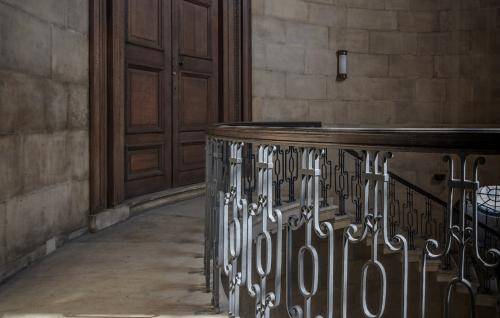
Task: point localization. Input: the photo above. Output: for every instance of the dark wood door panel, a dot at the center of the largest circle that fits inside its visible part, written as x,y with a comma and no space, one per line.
144,100
195,28
195,85
190,159
148,105
195,96
138,53
145,22
191,154
144,161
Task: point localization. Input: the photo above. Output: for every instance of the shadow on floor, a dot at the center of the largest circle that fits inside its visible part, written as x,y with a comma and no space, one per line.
148,266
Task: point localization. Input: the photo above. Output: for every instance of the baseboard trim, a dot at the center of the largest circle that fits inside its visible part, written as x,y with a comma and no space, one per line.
131,207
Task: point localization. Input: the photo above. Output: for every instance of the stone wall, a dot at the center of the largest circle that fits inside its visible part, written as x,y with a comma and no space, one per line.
44,141
411,62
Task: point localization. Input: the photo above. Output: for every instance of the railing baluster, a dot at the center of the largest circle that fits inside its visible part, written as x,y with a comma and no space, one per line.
244,230
291,171
341,182
279,174
326,178
376,222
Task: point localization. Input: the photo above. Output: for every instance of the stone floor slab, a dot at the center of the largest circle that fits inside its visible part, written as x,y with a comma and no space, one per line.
148,266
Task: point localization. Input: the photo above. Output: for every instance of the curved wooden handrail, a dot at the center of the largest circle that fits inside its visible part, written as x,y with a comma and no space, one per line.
438,140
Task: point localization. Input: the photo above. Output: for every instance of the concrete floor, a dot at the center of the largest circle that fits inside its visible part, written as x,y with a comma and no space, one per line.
149,266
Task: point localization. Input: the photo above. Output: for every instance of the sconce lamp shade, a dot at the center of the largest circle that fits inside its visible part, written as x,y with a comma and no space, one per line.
342,65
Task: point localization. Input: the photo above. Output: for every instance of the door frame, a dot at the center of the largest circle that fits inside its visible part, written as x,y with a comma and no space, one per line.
107,95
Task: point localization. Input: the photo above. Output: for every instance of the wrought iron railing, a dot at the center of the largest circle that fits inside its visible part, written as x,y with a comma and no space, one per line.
266,186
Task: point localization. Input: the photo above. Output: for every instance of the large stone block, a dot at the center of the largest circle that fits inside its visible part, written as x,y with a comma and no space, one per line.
430,4
475,66
483,91
449,20
369,65
77,215
434,43
44,160
447,66
3,229
353,40
369,113
411,66
333,38
332,87
440,43
393,43
284,58
286,9
418,21
20,94
56,107
257,7
459,90
78,107
268,29
328,112
78,18
419,113
268,84
53,11
397,4
34,218
371,19
366,4
431,90
10,168
24,43
376,89
258,112
31,103
484,114
258,55
307,35
78,154
328,15
305,86
70,54
279,109
321,61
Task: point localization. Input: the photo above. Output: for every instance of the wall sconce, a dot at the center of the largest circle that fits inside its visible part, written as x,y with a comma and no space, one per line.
342,65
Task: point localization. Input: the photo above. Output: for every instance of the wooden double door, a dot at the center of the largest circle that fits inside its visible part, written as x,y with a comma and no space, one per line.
171,91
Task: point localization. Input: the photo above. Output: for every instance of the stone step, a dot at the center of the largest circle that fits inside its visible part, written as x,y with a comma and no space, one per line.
487,300
326,214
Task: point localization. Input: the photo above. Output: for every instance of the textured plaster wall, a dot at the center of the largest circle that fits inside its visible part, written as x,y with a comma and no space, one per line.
43,126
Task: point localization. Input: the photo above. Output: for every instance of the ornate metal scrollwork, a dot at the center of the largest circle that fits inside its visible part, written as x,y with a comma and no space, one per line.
291,171
264,300
375,223
231,233
342,181
459,233
215,151
309,217
357,189
249,171
279,174
244,230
